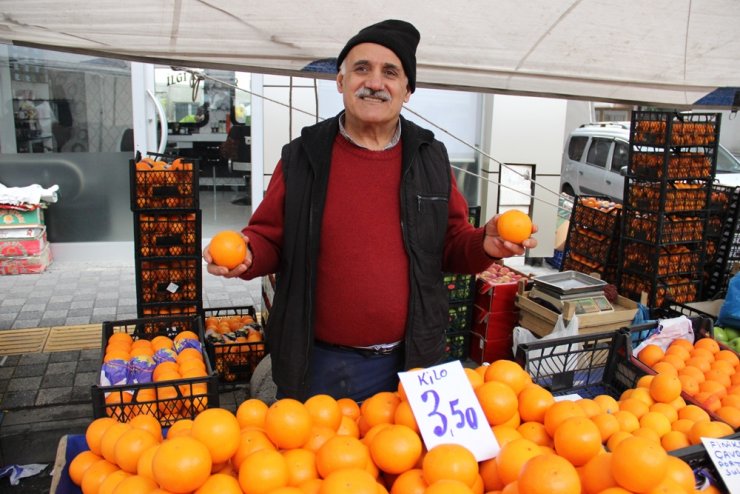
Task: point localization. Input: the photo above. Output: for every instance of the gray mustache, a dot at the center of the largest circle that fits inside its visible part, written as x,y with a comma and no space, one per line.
366,92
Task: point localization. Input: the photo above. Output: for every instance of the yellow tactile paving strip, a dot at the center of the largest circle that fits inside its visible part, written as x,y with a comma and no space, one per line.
64,338
54,339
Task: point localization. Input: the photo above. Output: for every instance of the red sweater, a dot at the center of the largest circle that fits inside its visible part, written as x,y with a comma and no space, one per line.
362,273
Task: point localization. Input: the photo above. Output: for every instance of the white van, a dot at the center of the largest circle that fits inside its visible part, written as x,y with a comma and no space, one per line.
596,155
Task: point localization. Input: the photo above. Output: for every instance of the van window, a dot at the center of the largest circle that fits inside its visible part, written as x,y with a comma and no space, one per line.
621,155
598,152
576,146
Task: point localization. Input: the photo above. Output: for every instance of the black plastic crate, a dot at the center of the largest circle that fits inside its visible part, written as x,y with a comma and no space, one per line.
656,128
166,280
461,317
680,288
232,355
168,401
697,457
157,309
172,184
668,197
663,228
588,213
654,164
457,346
703,327
588,365
460,287
662,260
161,233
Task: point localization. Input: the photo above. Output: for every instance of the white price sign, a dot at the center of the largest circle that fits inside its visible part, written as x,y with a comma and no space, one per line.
725,454
447,410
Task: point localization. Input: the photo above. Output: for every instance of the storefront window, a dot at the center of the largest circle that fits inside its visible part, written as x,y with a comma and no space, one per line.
67,121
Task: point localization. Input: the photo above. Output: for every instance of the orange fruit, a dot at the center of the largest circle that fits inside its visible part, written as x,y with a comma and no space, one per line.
692,371
681,473
549,474
301,465
288,423
657,422
505,434
674,440
729,356
181,464
617,438
144,465
149,424
559,412
533,401
80,463
111,482
95,430
219,430
220,483
349,407
639,464
404,415
251,413
498,401
228,249
380,408
181,427
318,436
712,428
689,384
410,482
324,410
263,471
596,474
607,425
729,414
708,344
693,412
347,481
450,462
670,413
135,484
130,446
628,421
700,362
250,440
349,427
448,486
341,452
513,456
514,226
650,354
396,448
185,335
535,432
607,403
95,475
509,373
675,360
665,388
577,439
108,442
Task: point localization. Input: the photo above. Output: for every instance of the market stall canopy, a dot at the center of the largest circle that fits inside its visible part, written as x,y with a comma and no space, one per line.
662,52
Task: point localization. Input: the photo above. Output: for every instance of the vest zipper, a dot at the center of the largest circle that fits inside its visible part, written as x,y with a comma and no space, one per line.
420,198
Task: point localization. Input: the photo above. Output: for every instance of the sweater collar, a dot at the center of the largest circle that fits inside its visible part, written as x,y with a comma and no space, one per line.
394,140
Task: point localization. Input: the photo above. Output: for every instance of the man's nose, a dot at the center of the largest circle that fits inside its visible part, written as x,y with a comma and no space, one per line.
374,81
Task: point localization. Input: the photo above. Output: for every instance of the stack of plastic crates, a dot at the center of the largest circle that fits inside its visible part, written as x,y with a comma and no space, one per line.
167,235
593,233
723,241
234,342
461,291
667,193
166,400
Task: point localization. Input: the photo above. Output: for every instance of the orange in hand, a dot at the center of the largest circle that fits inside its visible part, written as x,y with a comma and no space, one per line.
514,226
228,249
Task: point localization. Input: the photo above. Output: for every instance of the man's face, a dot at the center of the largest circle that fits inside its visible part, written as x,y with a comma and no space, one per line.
374,85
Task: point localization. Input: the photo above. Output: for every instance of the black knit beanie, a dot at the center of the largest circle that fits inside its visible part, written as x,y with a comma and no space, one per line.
398,36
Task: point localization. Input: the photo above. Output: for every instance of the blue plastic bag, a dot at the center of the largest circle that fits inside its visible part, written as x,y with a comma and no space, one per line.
729,313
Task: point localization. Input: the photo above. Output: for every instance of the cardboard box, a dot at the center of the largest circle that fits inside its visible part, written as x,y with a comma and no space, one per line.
489,350
541,320
494,325
18,217
22,241
26,264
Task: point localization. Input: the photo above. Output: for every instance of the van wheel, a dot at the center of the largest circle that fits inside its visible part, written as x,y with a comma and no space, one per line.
567,189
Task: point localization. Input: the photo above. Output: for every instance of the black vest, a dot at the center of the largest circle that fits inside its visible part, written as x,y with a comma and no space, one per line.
425,190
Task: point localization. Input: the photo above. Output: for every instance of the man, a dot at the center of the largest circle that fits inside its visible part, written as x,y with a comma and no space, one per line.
361,218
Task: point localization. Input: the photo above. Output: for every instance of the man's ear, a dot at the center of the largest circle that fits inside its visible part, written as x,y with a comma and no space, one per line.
340,81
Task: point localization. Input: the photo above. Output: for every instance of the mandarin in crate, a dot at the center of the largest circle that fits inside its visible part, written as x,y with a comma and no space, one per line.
228,249
514,226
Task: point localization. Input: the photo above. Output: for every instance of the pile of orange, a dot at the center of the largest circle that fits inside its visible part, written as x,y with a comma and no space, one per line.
237,341
708,374
327,446
165,402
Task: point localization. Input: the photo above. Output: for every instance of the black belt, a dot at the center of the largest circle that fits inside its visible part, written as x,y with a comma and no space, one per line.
365,351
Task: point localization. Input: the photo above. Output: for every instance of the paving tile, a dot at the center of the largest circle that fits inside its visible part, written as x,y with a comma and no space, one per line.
8,316
76,321
90,354
81,393
58,379
86,311
68,356
52,321
11,360
6,371
30,314
52,306
90,365
61,298
24,384
104,303
29,370
13,302
18,399
81,304
85,378
33,358
25,323
61,367
4,385
31,307
53,396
